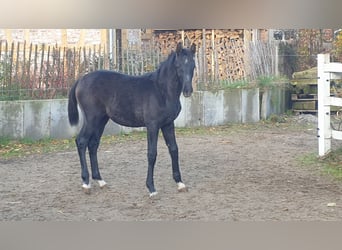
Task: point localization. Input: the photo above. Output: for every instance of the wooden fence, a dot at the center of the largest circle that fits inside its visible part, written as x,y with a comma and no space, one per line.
262,59
32,71
29,71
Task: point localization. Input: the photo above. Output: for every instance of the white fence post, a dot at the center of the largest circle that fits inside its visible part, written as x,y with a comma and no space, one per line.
325,72
323,88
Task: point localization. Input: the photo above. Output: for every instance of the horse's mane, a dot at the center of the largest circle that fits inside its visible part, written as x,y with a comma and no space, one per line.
157,75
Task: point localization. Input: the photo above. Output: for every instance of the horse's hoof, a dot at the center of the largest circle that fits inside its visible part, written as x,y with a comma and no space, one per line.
102,183
181,187
153,194
86,188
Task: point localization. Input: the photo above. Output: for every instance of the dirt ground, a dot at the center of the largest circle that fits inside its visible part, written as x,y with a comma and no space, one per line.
239,173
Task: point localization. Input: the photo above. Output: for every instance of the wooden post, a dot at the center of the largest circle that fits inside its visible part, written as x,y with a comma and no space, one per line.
16,78
73,72
112,48
79,52
81,40
11,63
86,63
204,49
46,80
27,36
8,35
28,79
23,70
64,39
213,76
323,87
104,37
41,66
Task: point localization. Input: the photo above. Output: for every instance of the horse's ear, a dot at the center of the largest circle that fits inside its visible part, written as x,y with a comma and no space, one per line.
193,48
179,48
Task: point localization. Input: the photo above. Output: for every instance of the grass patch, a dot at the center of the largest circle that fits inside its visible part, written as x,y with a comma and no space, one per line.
10,148
16,148
271,81
235,85
333,164
330,165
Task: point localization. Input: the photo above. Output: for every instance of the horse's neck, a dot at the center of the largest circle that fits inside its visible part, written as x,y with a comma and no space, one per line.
168,84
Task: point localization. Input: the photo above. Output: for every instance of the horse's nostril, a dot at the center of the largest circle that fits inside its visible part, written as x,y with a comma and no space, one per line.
187,93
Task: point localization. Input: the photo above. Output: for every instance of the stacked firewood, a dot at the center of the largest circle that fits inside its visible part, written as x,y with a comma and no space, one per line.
220,53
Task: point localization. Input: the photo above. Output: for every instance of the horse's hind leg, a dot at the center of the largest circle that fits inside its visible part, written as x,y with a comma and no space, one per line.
93,145
170,140
81,143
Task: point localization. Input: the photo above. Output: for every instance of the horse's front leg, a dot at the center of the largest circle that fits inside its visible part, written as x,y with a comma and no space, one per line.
170,140
152,139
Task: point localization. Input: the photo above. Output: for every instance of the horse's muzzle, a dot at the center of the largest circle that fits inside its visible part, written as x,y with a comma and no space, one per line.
187,93
187,90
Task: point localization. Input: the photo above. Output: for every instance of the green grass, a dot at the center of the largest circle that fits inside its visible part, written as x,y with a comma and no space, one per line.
271,81
16,148
235,85
333,164
330,164
260,82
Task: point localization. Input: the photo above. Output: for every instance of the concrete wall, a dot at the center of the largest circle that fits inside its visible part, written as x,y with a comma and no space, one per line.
273,101
48,118
206,108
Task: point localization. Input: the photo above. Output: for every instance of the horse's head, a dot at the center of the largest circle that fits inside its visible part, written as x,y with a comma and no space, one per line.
185,65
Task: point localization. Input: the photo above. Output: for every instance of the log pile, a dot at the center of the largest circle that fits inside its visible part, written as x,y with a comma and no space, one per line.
220,53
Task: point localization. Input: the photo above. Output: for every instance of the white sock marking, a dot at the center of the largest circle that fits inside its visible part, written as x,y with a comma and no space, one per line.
102,183
180,185
86,186
153,194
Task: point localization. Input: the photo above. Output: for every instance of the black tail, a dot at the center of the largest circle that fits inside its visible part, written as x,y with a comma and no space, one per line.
72,106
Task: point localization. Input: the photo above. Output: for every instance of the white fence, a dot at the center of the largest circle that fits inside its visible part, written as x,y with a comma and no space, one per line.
326,71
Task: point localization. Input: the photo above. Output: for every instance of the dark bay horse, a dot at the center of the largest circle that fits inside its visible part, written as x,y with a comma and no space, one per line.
150,101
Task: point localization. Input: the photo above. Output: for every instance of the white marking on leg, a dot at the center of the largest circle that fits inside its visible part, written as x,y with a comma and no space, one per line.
182,187
86,188
102,183
153,194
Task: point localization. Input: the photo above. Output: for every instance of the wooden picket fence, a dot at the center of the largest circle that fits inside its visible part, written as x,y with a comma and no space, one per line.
39,71
29,71
32,71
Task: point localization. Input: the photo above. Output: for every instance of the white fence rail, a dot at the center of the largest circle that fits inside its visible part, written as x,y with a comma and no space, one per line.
326,71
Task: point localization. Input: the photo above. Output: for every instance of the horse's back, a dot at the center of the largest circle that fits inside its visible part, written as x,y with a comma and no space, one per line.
101,78
121,97
111,81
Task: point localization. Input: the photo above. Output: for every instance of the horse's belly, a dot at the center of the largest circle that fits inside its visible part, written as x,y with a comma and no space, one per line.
128,120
